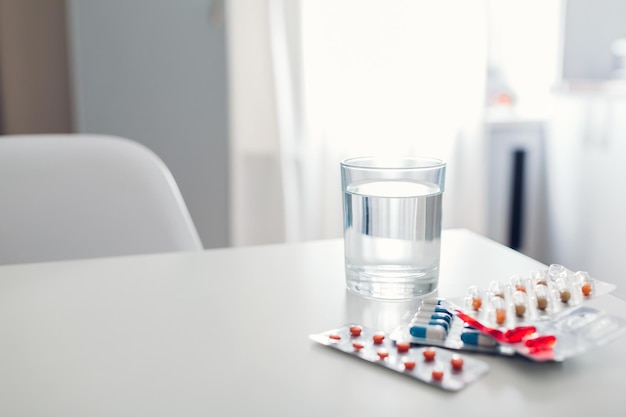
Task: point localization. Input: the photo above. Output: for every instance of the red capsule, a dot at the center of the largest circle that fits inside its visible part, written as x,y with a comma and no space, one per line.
334,336
378,338
409,365
357,346
518,334
540,343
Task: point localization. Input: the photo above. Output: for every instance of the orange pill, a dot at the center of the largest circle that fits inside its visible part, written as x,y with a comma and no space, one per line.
500,316
403,346
355,330
542,303
409,365
383,354
518,282
437,374
357,346
457,362
429,354
334,336
585,282
378,338
474,294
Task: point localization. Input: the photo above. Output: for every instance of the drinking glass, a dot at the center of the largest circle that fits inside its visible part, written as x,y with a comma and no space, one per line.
392,225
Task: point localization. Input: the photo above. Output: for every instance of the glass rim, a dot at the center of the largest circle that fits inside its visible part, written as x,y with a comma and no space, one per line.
393,162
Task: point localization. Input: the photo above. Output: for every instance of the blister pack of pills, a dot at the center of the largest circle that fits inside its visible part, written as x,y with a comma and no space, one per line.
541,296
435,325
438,367
542,317
572,332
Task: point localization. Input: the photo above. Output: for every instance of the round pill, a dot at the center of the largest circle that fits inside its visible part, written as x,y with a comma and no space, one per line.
585,282
403,346
542,303
539,277
429,354
378,338
334,336
563,287
437,374
382,353
474,297
355,330
517,282
457,362
520,300
500,315
357,346
409,365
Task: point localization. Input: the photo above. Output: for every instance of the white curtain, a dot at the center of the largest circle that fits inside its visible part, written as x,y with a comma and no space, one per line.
314,81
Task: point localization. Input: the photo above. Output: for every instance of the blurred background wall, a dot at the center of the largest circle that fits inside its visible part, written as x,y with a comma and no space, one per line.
232,94
150,70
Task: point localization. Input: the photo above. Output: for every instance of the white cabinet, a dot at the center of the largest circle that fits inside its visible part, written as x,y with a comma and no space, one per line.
516,185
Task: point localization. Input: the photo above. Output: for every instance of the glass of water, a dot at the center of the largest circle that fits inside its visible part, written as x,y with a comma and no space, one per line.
392,225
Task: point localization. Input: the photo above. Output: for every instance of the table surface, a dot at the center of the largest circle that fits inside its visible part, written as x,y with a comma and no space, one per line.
226,332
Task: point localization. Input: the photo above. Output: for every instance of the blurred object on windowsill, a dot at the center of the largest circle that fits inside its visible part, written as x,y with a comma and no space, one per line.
499,92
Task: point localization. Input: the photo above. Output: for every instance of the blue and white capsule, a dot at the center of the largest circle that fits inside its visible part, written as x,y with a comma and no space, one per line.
428,332
431,301
434,309
476,338
431,322
434,316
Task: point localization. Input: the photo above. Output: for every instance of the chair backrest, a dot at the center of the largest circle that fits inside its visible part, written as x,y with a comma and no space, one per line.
84,196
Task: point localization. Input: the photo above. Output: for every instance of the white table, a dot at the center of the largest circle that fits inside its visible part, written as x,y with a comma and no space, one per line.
225,332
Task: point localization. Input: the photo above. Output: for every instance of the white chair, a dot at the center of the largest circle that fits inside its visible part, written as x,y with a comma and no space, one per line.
85,196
